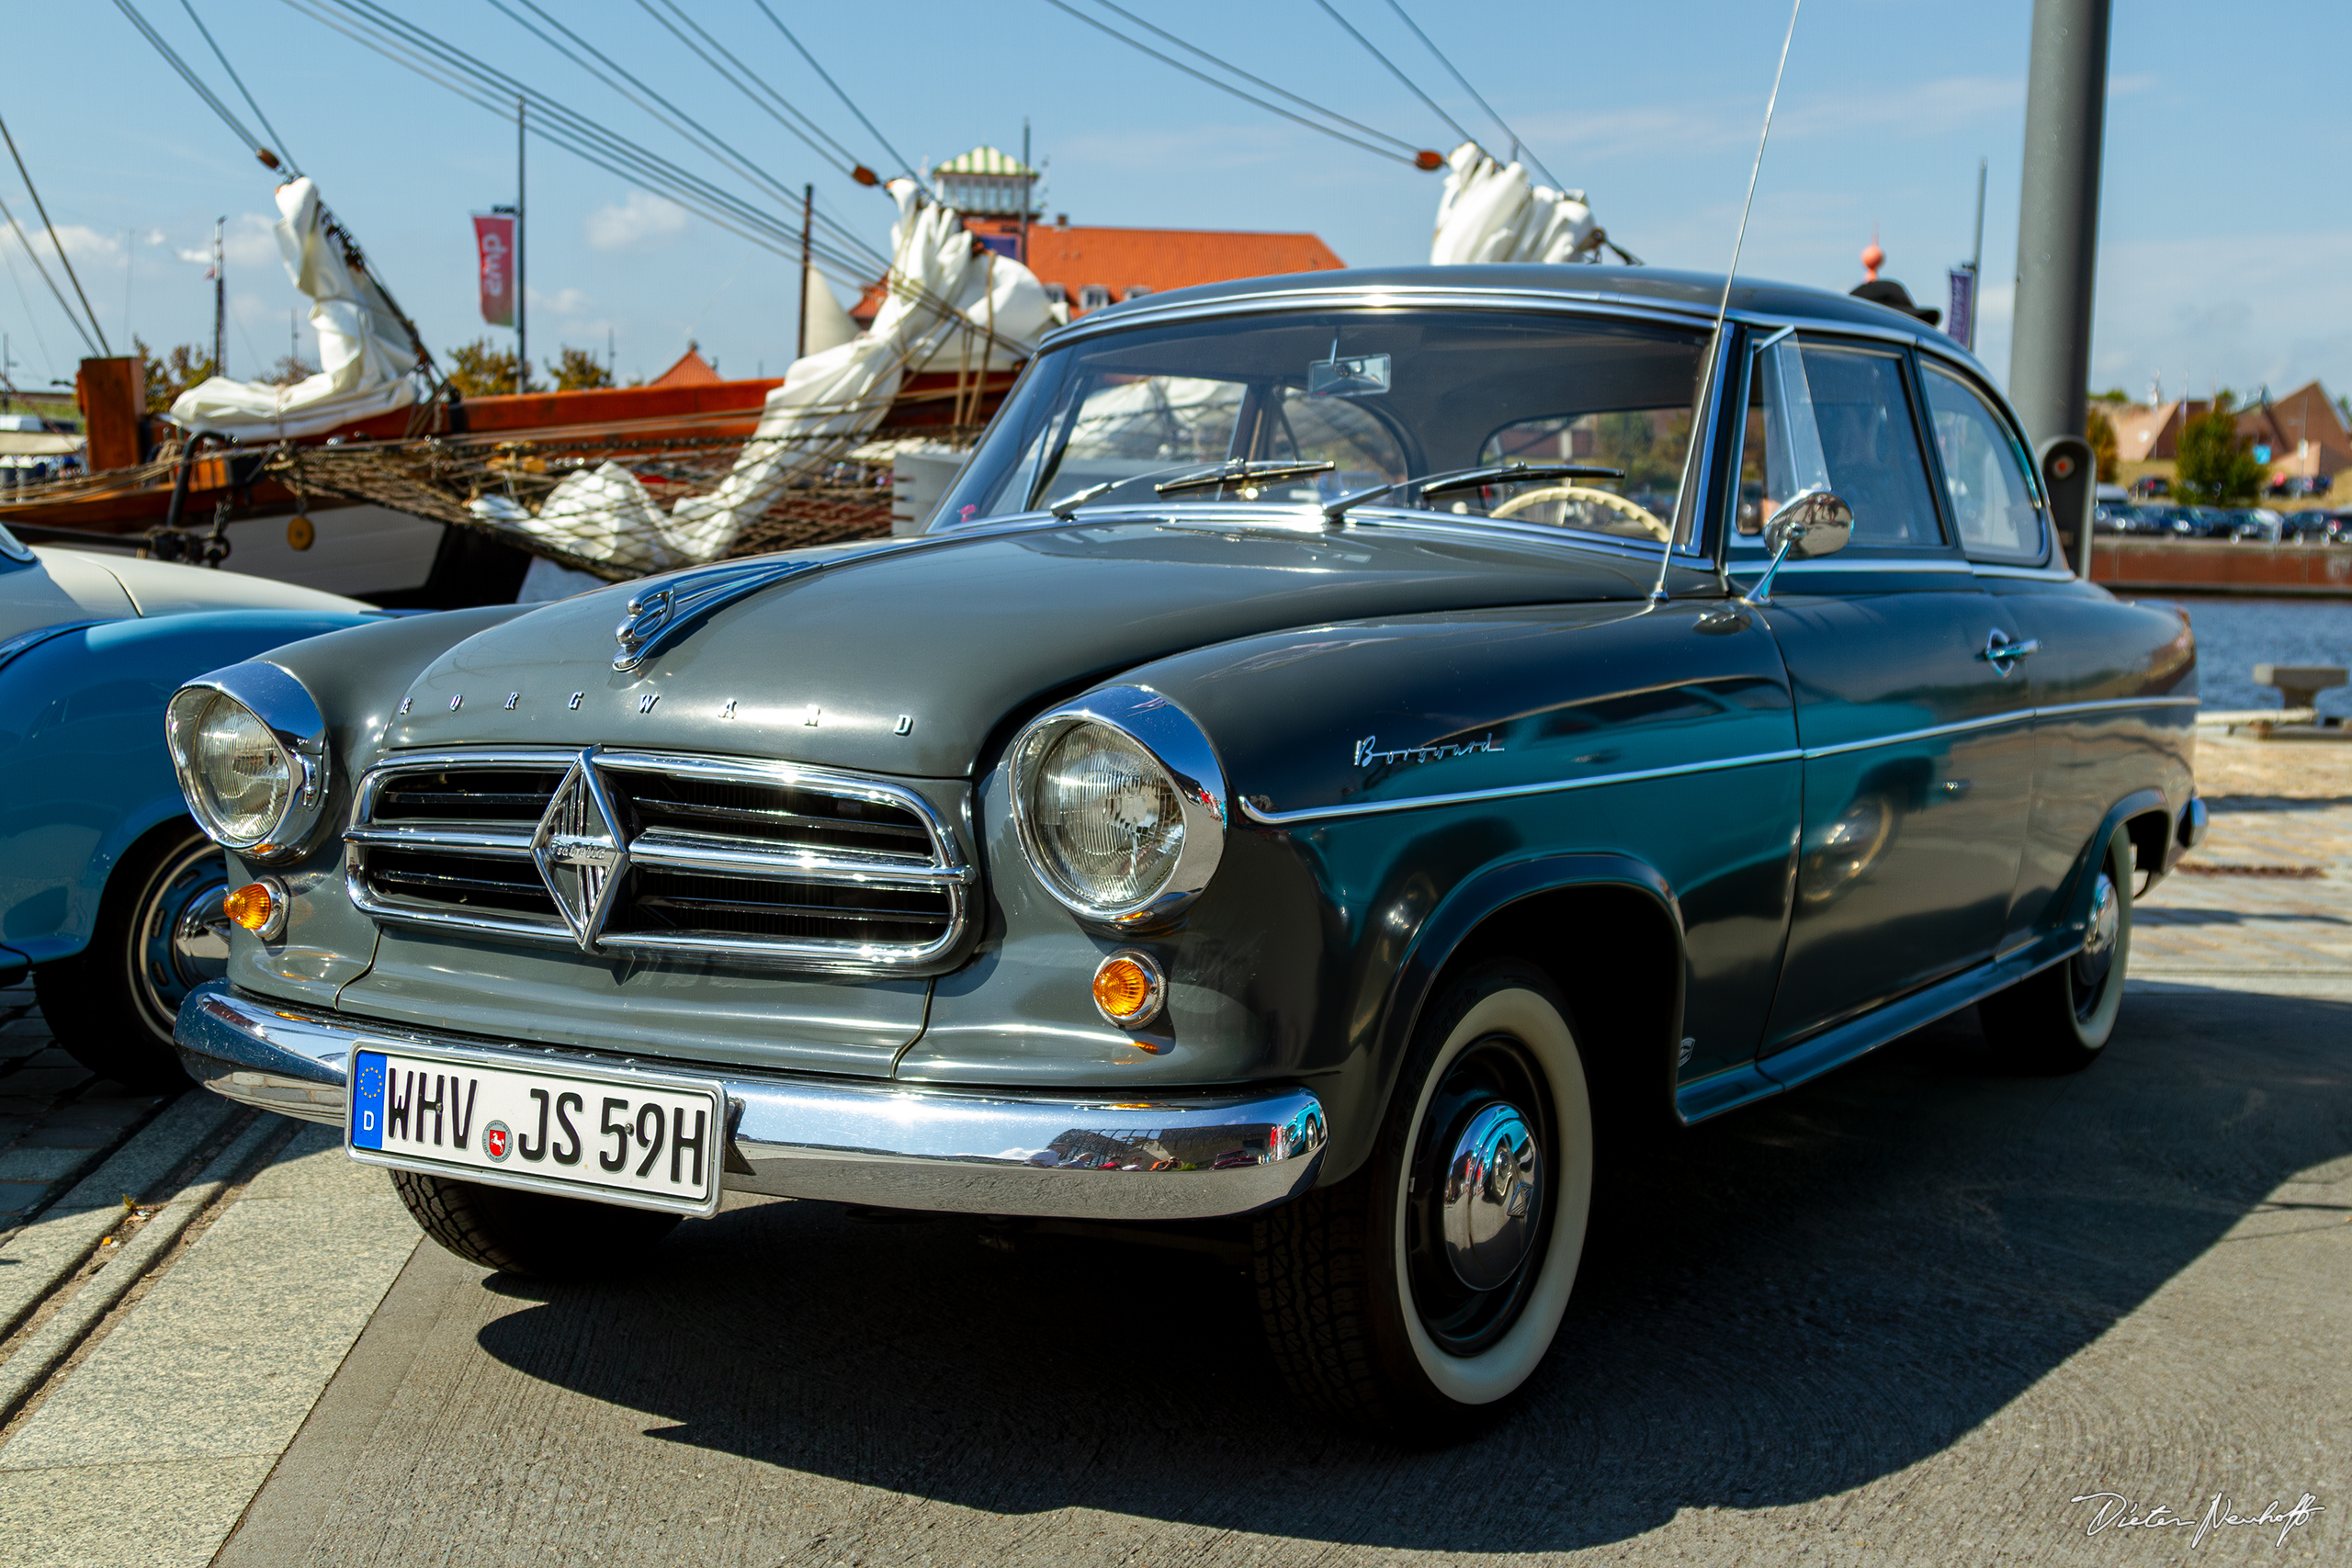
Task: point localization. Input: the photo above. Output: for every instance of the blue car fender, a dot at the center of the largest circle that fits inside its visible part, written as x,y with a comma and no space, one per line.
82,747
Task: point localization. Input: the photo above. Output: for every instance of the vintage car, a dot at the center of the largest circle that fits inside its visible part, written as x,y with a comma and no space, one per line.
107,891
1341,754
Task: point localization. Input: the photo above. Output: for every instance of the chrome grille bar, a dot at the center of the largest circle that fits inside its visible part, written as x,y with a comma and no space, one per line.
738,859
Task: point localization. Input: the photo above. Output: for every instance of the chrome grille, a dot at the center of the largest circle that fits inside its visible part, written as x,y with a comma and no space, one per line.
621,852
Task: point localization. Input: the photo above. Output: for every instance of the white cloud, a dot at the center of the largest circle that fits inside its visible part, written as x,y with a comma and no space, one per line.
563,302
250,240
642,223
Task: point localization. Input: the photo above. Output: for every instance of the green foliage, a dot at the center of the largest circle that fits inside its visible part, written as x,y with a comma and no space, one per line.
477,369
174,373
2100,433
1651,457
2214,467
288,372
578,371
2113,395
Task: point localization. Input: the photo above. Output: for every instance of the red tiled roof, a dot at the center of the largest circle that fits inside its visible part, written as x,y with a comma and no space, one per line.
1157,259
691,370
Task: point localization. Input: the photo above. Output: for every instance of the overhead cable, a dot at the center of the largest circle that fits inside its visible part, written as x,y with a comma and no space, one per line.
906,165
277,142
752,87
1518,143
1139,45
1395,71
62,259
1228,65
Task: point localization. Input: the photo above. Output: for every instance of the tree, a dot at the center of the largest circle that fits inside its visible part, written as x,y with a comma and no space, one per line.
289,370
2214,467
174,374
2100,433
479,370
578,371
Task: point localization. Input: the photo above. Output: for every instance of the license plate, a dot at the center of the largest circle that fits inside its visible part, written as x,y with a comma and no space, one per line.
650,1141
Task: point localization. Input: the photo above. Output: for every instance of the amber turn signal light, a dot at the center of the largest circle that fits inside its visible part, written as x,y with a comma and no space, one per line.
259,907
1128,989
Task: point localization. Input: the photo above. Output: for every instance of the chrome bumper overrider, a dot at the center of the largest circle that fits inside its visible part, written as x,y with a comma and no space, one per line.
900,1145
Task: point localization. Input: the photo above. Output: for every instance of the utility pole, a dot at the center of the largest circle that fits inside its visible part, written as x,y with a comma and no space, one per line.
2065,118
522,294
1028,189
2050,354
219,304
808,211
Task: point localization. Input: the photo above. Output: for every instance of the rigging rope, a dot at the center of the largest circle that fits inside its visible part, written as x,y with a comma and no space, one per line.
62,259
1395,71
906,165
1228,88
742,80
62,303
1518,143
277,142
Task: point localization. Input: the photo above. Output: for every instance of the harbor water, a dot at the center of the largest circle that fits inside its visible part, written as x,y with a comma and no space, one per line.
2235,635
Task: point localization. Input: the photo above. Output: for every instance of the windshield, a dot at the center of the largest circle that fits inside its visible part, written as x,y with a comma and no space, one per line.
1346,401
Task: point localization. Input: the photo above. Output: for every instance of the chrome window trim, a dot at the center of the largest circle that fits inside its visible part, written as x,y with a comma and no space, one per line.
1953,564
944,869
1266,816
2028,573
291,715
1177,743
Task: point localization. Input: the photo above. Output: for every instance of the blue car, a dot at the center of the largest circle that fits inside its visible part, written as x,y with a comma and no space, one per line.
109,892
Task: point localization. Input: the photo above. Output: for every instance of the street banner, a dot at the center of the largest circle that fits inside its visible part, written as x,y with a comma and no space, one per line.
1960,320
494,238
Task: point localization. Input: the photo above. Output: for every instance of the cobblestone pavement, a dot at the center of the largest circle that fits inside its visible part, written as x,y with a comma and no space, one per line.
2270,893
57,1118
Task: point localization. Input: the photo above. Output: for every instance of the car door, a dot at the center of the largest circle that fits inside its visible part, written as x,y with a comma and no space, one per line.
1917,735
2106,676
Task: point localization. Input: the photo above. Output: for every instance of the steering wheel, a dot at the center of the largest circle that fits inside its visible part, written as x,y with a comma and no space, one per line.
1633,511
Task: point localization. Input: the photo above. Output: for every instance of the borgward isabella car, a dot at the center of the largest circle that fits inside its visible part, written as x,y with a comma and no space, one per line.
1344,748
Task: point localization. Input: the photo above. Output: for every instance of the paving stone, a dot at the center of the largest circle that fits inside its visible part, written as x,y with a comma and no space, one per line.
17,1197
66,1138
44,1080
88,1112
52,1057
21,1028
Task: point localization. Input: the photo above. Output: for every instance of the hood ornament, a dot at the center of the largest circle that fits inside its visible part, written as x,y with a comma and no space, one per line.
659,617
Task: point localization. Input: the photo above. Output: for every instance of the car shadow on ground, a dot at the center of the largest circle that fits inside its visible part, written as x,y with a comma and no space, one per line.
1797,1301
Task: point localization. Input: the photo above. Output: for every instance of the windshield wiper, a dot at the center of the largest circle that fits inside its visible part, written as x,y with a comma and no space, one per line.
1336,510
1240,472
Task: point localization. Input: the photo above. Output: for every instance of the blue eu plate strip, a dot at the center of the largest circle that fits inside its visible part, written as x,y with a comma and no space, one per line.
367,1099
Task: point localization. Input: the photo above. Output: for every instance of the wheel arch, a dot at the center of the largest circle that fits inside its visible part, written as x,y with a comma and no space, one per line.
1607,930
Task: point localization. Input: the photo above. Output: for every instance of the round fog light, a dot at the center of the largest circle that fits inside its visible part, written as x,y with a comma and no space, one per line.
259,907
1128,989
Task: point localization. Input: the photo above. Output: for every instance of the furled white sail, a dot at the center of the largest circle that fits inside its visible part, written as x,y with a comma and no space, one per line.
1493,212
952,306
364,352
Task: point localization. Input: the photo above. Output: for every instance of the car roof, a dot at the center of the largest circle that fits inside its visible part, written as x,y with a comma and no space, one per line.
1634,285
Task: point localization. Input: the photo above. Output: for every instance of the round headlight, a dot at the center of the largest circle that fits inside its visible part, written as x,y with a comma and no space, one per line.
251,765
1107,817
242,776
1120,802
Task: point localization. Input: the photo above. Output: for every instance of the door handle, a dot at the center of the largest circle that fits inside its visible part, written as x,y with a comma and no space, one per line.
2001,653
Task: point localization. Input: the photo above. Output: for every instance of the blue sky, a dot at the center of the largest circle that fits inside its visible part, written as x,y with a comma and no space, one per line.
2225,247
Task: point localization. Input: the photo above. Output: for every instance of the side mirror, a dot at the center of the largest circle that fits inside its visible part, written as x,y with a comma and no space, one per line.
1817,523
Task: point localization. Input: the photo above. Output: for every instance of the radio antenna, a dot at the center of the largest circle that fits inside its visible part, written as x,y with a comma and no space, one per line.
1723,307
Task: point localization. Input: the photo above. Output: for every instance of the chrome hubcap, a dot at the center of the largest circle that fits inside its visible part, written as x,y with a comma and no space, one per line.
1494,1196
183,935
2097,954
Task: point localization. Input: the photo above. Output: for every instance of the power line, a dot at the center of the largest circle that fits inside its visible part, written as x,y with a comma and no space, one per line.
278,142
171,58
62,259
1228,65
1228,88
1518,143
906,165
735,74
1395,72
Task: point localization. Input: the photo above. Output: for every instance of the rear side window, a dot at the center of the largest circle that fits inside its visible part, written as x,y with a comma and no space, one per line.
1985,473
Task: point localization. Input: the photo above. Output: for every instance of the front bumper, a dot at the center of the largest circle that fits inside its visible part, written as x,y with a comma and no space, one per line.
897,1146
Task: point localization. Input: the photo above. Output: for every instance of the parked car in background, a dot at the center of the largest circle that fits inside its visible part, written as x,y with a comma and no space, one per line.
1169,834
2202,523
2320,527
2149,486
109,892
2115,517
2258,525
2292,487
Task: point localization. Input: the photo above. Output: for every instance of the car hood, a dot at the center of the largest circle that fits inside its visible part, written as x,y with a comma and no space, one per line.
903,657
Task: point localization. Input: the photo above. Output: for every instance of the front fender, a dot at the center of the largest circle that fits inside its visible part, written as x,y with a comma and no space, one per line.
82,747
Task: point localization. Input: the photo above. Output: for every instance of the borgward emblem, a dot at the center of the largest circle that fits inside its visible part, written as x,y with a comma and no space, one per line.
579,850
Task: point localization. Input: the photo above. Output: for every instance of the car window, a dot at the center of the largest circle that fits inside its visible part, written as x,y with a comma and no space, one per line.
1819,414
1646,444
1985,473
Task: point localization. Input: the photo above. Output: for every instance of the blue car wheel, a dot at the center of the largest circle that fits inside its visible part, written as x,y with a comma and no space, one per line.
160,933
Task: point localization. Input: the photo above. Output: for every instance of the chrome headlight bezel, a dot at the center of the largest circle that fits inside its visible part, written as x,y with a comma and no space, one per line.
287,710
1169,738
